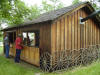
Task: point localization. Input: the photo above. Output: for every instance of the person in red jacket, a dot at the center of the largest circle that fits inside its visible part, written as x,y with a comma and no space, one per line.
19,47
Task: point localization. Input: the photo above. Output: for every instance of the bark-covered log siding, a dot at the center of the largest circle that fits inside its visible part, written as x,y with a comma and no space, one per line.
68,33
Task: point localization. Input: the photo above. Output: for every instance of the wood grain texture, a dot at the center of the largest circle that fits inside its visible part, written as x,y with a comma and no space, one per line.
68,33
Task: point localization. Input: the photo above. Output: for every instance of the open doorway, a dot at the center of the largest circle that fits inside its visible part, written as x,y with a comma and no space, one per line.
12,37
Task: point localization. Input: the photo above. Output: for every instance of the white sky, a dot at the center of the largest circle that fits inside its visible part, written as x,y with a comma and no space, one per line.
38,2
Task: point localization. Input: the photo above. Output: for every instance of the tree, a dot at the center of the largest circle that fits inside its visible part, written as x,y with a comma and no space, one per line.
75,1
13,12
19,12
51,5
95,3
34,12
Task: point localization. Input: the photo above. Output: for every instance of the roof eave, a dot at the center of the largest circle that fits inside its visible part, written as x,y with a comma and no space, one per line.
24,25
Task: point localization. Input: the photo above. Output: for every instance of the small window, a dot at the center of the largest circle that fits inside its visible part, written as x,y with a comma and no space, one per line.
29,38
24,38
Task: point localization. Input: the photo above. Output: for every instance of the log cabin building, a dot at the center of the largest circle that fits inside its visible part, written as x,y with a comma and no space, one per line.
55,31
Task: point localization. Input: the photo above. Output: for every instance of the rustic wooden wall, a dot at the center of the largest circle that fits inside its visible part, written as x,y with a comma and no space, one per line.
68,33
45,35
28,54
45,38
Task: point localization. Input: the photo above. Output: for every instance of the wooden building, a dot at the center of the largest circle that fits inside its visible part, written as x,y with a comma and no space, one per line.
56,30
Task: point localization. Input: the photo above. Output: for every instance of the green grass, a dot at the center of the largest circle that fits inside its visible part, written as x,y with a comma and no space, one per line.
8,67
92,69
1,49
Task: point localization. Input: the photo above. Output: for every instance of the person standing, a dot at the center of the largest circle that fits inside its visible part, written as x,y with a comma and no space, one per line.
19,47
7,45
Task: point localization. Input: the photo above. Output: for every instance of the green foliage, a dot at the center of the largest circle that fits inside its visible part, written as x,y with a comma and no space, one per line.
75,1
57,4
14,12
93,2
46,7
5,8
95,6
34,12
19,12
1,49
51,5
1,37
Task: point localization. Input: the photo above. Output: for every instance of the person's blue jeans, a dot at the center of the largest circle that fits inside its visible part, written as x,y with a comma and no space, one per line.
7,50
17,57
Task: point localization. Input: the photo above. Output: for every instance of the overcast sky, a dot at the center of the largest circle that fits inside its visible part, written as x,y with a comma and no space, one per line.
38,2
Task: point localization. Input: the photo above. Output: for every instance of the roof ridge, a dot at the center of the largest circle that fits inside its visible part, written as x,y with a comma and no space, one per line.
64,7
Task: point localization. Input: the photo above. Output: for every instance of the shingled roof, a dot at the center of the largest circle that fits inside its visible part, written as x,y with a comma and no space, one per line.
49,16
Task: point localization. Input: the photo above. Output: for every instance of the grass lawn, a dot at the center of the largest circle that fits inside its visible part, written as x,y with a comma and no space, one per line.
8,67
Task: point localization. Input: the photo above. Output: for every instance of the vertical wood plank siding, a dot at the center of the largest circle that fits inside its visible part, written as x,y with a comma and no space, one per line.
67,32
45,38
76,30
28,54
58,34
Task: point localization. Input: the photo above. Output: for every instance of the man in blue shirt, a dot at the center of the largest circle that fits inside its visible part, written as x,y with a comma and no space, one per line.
6,43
